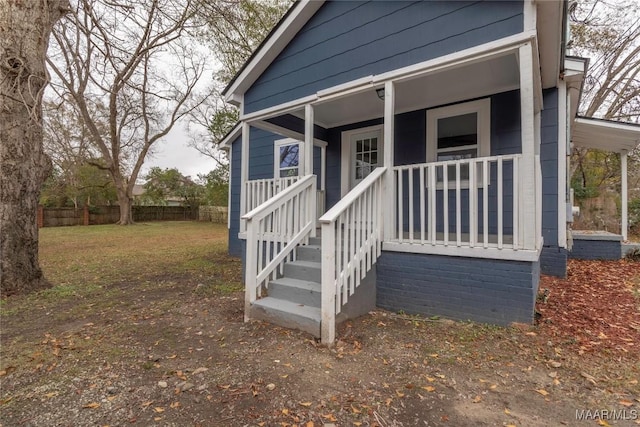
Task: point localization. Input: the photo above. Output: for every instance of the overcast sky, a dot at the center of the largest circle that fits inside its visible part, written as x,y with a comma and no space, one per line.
174,152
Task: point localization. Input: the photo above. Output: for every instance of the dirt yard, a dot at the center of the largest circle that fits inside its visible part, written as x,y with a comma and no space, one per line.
145,327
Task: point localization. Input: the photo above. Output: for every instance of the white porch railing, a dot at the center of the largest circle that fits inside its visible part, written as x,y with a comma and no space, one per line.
472,203
351,243
259,191
274,229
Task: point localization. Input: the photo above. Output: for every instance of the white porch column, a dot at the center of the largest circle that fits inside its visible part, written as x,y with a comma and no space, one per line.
389,193
308,140
528,192
244,174
624,194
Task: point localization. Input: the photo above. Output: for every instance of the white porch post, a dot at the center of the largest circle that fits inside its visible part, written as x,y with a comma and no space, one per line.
527,190
624,194
308,158
244,174
389,196
308,140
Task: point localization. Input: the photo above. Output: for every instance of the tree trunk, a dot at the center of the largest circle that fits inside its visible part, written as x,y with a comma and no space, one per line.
125,207
24,34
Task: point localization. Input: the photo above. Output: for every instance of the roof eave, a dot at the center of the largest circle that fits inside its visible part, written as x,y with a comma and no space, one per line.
607,135
270,48
549,25
231,136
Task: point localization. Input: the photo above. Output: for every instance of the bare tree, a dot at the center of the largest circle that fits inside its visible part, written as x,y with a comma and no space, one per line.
131,68
234,29
609,34
24,34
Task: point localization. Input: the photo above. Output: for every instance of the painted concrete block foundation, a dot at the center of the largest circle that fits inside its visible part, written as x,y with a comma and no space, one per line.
553,261
596,245
490,291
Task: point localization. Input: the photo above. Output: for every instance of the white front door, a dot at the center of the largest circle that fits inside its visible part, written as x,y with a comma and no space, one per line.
362,152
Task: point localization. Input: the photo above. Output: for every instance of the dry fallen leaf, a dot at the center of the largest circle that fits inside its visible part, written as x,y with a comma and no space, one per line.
428,388
158,409
477,399
543,392
330,417
92,405
305,404
627,403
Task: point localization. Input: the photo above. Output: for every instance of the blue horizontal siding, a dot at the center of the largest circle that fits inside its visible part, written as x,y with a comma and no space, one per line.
345,41
549,165
235,247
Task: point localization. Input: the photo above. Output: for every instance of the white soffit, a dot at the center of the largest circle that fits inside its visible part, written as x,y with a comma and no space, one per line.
549,28
605,135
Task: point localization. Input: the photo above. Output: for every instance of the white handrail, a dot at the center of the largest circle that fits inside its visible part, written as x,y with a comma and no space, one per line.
259,191
346,201
351,243
274,229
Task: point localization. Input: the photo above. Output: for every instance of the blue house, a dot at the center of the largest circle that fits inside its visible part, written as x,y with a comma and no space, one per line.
406,155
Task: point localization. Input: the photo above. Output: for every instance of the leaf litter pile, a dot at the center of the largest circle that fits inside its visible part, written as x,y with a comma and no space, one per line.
162,341
596,309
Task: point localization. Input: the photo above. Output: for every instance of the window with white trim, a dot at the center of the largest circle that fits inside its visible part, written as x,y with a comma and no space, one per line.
286,158
457,132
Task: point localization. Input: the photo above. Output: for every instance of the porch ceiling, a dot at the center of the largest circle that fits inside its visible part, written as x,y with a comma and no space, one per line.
605,135
482,78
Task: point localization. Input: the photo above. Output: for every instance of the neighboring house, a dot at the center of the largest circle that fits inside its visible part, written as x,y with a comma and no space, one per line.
429,143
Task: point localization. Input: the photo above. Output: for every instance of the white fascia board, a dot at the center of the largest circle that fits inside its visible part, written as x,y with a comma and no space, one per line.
293,23
276,110
575,65
235,133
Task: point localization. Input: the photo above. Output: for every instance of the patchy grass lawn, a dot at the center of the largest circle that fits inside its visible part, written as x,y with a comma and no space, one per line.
144,327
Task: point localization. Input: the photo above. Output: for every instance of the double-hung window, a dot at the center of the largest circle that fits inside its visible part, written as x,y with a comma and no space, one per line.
286,158
458,132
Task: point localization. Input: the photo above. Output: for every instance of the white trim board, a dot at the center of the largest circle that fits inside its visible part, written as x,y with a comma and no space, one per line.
478,252
278,130
481,107
345,154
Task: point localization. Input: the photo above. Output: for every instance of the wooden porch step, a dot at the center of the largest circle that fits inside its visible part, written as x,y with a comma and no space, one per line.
298,291
287,314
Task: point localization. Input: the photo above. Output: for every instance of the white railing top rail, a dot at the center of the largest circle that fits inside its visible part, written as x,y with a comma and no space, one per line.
344,203
265,208
453,162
